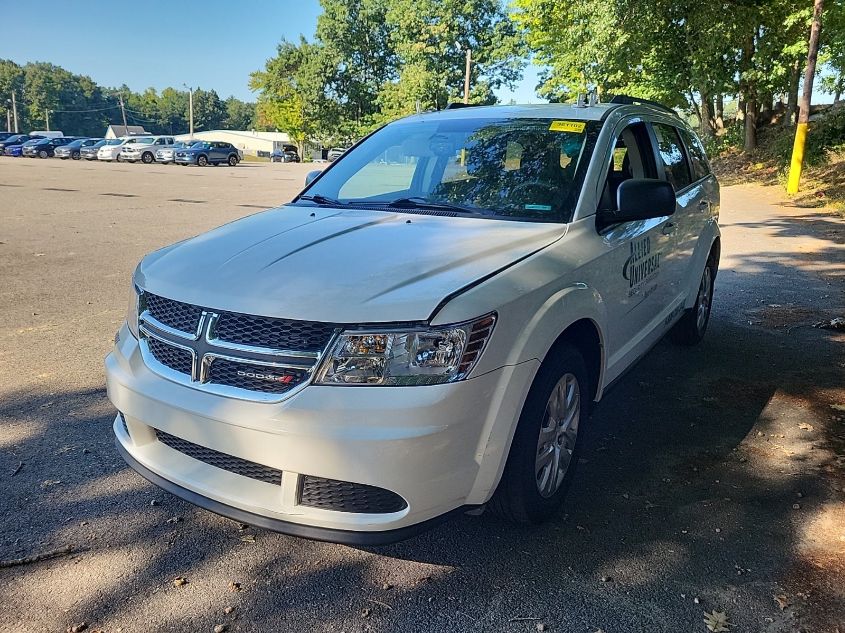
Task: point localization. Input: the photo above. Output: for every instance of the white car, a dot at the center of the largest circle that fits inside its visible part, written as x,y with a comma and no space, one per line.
114,146
416,337
144,149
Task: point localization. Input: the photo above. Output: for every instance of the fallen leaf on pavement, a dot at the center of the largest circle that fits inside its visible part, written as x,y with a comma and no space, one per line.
179,581
806,427
782,601
716,621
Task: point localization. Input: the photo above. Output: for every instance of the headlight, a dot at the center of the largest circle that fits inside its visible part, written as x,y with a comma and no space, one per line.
427,356
134,310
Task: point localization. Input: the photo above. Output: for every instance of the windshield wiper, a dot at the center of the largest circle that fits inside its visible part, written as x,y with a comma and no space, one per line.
322,200
418,202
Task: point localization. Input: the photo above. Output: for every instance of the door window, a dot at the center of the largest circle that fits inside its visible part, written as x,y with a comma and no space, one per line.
632,157
672,155
697,157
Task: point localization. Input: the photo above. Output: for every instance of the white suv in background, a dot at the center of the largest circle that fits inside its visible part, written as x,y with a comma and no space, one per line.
114,146
417,336
144,150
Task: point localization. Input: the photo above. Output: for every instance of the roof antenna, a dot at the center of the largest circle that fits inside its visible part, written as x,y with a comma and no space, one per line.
580,102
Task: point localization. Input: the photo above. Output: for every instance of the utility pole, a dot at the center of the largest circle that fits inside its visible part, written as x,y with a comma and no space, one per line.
123,113
797,162
15,111
47,117
466,75
191,112
8,120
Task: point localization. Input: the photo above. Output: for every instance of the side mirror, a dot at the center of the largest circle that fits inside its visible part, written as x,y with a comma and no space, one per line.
641,199
312,176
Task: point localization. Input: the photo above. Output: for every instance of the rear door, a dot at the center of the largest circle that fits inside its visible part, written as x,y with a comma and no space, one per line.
681,230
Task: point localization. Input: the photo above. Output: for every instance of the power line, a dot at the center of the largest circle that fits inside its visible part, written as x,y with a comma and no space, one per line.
81,111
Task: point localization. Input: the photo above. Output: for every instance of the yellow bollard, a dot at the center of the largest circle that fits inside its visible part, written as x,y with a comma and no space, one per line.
797,158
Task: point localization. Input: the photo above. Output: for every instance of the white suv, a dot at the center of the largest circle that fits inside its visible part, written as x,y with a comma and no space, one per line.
425,327
114,146
145,149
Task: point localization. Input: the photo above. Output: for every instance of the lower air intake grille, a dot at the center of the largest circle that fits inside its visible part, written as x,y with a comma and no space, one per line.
263,378
220,460
176,358
344,496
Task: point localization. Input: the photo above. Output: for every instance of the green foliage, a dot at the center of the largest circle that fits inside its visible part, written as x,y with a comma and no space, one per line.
78,106
374,60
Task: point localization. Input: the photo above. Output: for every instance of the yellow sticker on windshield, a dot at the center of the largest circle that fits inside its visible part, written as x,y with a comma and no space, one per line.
568,126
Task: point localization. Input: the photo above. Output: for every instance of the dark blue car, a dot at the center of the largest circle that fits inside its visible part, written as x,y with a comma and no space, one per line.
204,153
15,139
46,147
18,148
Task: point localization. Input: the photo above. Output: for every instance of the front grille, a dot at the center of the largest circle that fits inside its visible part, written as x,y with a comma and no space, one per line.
175,314
220,460
244,329
263,378
176,358
344,496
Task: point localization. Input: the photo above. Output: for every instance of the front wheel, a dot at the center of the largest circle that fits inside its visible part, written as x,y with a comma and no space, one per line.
692,326
43,154
147,158
233,160
118,159
202,161
545,447
76,156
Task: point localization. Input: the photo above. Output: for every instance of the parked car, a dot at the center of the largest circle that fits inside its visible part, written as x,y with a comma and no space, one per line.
89,152
204,153
47,133
414,338
168,154
111,150
45,147
5,135
144,150
73,149
285,154
17,149
335,153
16,139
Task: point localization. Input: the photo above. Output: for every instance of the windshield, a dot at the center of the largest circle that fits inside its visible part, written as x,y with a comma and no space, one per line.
99,144
528,169
201,145
144,140
113,141
14,140
77,143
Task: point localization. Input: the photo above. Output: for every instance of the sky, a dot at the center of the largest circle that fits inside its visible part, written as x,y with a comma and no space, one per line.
118,43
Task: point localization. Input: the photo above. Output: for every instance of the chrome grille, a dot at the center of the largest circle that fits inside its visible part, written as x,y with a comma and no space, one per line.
263,378
345,496
180,316
238,355
176,358
244,329
220,460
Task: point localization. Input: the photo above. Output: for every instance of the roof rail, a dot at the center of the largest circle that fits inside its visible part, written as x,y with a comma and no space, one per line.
457,104
629,100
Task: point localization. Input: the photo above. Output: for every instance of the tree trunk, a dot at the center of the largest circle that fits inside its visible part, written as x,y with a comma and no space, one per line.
765,109
751,125
720,111
706,116
792,97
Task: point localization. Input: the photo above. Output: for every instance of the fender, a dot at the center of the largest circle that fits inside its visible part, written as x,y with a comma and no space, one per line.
702,251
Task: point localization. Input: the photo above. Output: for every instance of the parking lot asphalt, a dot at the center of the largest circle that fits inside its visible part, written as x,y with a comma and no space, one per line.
712,478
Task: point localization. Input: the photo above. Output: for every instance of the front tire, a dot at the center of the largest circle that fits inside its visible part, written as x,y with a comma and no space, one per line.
545,447
692,326
202,161
233,160
147,158
76,156
43,154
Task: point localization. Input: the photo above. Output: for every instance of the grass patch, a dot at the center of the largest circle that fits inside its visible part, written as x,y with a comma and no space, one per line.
249,158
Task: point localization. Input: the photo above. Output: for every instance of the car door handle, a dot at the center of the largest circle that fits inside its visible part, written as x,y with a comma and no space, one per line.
669,228
703,205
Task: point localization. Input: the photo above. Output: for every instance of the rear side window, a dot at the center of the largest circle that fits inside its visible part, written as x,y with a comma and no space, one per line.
697,157
672,155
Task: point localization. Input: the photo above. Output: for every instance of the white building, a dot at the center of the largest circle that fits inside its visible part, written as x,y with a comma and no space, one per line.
251,142
116,131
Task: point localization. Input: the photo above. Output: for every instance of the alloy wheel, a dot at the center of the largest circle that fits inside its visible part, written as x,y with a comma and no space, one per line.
558,434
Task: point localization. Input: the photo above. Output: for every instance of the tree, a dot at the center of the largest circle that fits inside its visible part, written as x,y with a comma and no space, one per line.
239,115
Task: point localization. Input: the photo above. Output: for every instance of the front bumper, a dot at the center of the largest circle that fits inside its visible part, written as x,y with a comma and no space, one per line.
439,447
190,160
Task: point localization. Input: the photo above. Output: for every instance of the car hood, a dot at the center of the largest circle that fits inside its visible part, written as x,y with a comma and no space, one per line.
350,266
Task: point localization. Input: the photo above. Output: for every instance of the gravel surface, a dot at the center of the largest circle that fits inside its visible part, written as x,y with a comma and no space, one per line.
712,478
